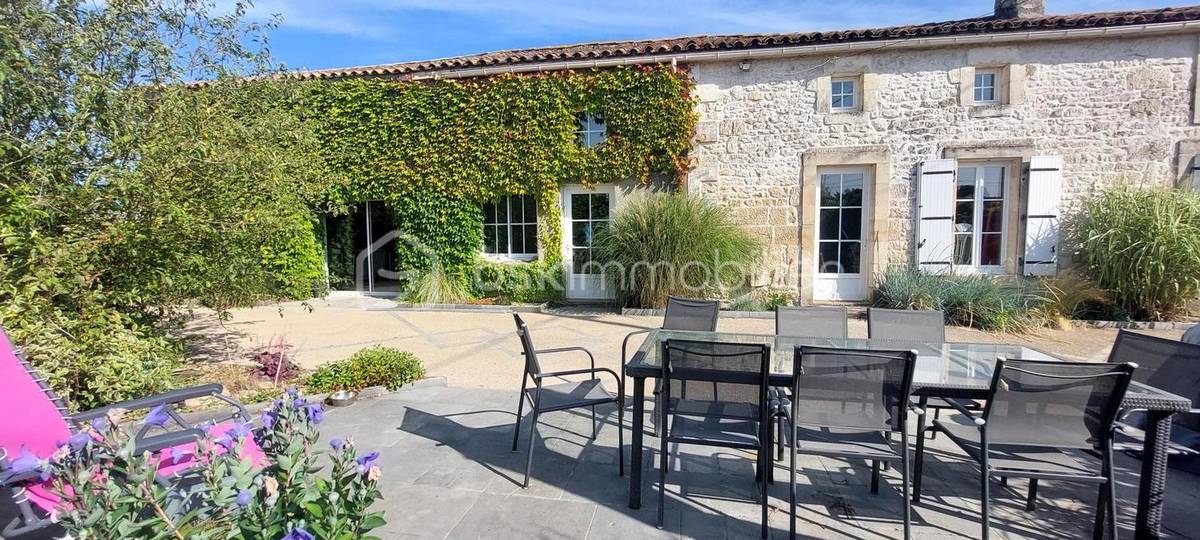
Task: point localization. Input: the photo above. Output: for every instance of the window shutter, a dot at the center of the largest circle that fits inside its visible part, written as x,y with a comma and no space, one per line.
935,214
1041,219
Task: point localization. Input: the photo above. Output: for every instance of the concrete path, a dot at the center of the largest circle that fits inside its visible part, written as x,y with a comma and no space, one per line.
480,350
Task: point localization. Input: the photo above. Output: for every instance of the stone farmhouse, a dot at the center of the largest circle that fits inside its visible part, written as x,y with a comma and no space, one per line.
956,145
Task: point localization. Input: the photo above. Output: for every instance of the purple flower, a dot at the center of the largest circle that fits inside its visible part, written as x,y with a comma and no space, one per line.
298,403
241,430
29,462
298,534
278,404
365,462
157,417
315,413
227,442
244,497
100,424
292,392
337,443
78,441
268,420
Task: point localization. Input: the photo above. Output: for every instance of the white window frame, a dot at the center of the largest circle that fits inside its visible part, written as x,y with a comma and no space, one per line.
590,133
509,255
996,86
855,100
977,233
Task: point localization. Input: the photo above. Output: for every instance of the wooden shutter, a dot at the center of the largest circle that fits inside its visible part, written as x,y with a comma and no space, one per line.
1041,218
935,215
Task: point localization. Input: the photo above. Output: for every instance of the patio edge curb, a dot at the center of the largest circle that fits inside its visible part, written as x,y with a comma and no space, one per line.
369,392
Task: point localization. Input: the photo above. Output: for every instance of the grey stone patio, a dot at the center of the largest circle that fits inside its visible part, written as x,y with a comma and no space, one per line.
449,474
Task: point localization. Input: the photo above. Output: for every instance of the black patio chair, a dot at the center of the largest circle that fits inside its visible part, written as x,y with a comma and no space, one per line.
681,314
715,394
1043,421
562,396
802,322
849,404
926,326
1172,366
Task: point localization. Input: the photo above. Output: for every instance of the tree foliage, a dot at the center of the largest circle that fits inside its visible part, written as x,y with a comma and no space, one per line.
128,195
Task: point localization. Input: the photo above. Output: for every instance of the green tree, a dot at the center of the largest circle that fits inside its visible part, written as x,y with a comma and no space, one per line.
126,194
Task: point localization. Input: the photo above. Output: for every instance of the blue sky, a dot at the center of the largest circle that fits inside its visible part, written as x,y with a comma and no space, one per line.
337,33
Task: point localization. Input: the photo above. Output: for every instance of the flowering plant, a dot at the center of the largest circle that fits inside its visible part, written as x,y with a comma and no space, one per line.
219,487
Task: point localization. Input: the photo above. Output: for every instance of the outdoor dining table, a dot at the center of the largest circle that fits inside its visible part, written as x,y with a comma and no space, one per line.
952,370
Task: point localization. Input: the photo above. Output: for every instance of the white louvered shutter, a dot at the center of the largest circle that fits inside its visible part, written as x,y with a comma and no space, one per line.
935,215
1196,172
1041,219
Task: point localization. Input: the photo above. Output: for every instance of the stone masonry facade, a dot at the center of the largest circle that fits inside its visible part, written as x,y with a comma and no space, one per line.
1118,110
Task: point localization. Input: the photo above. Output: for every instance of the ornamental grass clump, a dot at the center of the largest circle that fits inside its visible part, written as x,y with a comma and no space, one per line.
108,490
986,302
1142,246
662,244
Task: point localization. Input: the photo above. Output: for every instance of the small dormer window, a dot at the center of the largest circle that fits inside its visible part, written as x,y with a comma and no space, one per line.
987,86
843,95
590,128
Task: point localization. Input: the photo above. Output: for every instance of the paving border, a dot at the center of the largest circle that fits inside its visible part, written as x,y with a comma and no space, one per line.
370,392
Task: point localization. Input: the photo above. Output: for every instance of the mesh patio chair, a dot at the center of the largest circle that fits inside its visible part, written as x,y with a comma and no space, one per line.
715,394
926,326
561,396
1173,366
1192,335
850,403
1043,421
681,314
802,322
44,422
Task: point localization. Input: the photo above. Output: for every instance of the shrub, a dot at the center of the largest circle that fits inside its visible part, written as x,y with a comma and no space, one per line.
439,287
1072,296
532,283
984,302
662,244
1143,247
110,491
373,366
763,299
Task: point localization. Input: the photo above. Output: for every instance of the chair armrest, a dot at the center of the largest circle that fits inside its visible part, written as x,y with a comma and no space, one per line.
591,357
915,408
174,396
169,439
593,371
966,412
625,343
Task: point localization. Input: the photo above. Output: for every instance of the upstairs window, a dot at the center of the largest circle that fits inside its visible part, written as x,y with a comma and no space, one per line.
510,227
843,95
987,87
590,129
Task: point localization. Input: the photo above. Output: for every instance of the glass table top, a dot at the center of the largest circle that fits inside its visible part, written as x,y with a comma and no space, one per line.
961,366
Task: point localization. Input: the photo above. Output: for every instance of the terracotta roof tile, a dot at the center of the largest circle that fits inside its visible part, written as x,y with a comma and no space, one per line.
624,49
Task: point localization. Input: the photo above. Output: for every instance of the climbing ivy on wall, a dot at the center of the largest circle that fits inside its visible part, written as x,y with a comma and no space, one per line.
476,140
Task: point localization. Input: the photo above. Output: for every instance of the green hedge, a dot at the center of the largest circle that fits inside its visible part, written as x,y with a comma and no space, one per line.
373,366
449,229
529,283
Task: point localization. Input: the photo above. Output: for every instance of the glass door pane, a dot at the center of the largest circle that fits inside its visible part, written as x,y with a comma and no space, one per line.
840,223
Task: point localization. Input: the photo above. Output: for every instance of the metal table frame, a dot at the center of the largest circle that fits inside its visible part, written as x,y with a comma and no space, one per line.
1151,489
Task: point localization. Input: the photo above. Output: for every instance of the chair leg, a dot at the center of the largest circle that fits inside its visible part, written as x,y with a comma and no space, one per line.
1111,485
764,457
874,477
1031,499
621,436
594,429
655,419
904,479
1101,513
920,465
529,456
937,415
662,481
984,496
779,438
517,427
792,490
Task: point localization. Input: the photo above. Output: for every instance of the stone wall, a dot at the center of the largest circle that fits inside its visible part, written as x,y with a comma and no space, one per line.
1117,110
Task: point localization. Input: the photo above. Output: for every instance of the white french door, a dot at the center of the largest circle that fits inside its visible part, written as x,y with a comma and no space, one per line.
842,205
585,213
980,221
